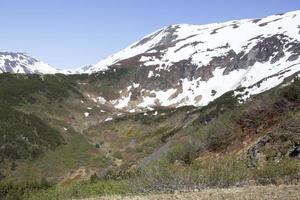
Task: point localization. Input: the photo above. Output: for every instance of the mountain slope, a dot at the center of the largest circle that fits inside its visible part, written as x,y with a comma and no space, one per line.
24,64
127,128
194,64
201,43
222,144
186,64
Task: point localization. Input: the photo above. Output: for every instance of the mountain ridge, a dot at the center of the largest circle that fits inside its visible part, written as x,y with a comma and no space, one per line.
194,64
234,23
19,62
184,64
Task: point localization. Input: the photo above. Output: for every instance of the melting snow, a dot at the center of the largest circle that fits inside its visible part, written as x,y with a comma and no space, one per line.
108,119
161,97
123,102
150,74
203,42
101,100
136,85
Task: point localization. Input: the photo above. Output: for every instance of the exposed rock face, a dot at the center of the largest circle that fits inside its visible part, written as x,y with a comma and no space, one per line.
192,65
295,152
254,151
277,144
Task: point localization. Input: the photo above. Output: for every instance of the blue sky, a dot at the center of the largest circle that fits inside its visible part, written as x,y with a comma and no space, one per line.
71,33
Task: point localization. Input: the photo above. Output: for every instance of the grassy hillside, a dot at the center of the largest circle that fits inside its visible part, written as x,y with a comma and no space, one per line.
16,89
223,144
24,135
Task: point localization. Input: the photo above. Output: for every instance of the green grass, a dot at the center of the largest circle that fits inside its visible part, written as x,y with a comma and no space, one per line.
76,153
163,176
284,171
82,190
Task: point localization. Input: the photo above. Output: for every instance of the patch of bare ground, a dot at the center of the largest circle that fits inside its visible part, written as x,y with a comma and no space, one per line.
287,192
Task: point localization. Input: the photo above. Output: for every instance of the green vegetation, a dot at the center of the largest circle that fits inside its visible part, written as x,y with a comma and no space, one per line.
220,145
16,89
12,191
76,153
107,83
213,172
284,171
24,135
82,190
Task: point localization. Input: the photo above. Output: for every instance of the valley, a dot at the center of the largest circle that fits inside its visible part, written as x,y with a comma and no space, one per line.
187,108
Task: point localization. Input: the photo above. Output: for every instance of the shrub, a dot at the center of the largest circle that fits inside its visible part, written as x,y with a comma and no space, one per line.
15,191
82,190
24,135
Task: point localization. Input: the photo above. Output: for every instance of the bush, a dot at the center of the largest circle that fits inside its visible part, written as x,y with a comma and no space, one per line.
24,135
222,171
13,191
82,190
181,152
212,172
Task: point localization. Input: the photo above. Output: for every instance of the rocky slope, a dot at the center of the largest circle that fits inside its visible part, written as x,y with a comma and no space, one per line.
23,64
194,64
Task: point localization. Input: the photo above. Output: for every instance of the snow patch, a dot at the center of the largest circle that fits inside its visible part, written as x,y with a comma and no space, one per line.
136,85
123,101
101,100
108,119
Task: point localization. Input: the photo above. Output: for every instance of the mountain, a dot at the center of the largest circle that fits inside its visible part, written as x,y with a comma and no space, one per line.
185,64
194,64
186,108
22,63
81,70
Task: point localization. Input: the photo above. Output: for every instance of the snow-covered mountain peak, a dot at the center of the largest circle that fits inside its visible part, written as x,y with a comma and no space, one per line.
203,42
22,63
186,64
